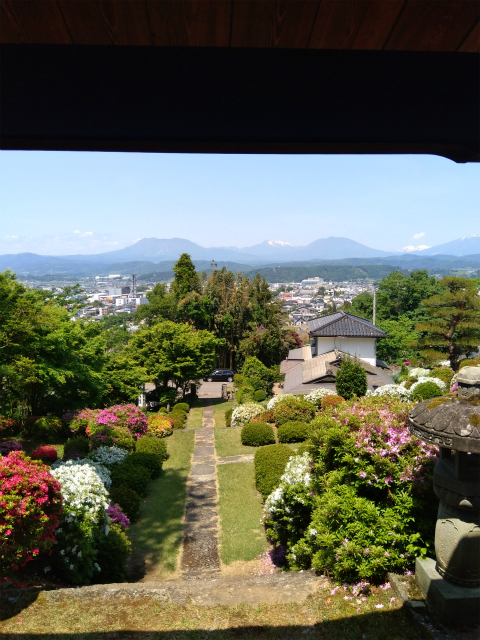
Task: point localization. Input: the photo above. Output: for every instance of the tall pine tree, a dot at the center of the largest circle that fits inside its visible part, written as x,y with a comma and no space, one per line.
454,327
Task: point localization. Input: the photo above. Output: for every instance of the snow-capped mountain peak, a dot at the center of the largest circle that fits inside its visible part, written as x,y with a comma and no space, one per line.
409,248
279,243
471,235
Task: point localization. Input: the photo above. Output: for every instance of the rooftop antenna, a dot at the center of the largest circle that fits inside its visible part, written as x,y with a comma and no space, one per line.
134,285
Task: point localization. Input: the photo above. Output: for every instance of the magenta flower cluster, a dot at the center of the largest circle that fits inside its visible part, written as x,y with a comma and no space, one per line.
128,416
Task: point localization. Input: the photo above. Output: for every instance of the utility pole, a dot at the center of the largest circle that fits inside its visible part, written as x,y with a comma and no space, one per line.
374,304
134,285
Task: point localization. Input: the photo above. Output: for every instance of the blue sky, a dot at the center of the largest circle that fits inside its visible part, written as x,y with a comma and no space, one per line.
62,202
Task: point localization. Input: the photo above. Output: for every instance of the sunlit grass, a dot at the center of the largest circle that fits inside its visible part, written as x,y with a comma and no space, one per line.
158,535
240,508
228,443
219,407
195,416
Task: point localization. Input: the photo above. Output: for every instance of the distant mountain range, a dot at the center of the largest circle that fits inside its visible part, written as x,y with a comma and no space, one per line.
158,255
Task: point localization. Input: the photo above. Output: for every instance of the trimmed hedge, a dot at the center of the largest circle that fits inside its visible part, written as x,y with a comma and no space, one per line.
181,406
76,448
127,499
425,391
131,476
159,426
228,417
269,465
151,444
179,419
304,447
150,461
257,434
294,409
48,429
293,432
259,395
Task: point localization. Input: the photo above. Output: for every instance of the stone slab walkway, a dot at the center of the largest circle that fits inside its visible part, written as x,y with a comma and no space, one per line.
200,544
245,458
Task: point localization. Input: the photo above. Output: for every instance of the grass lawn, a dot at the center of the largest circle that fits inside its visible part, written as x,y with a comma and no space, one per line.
158,534
227,443
240,508
195,415
219,407
321,617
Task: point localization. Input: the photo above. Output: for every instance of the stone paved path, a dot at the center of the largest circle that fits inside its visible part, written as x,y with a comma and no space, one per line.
200,545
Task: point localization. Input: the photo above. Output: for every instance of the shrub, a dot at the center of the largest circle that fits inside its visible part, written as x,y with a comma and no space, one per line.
331,401
269,465
108,456
147,444
243,414
372,507
470,362
148,460
162,411
392,391
443,373
113,436
304,447
113,550
30,506
179,419
7,426
116,515
228,417
293,432
79,421
351,379
257,434
76,448
266,416
128,500
272,403
102,471
245,394
47,429
316,396
46,454
124,416
84,516
293,409
159,426
9,445
131,476
259,395
426,390
289,504
181,406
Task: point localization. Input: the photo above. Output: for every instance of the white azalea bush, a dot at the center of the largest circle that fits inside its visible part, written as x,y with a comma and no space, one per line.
272,403
316,396
83,521
245,412
418,372
391,391
288,509
101,470
108,456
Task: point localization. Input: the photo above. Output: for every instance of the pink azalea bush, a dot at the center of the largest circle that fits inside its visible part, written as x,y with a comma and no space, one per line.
46,454
370,498
30,506
128,416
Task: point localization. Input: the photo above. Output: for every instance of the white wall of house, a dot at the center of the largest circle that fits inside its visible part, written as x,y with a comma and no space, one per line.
364,348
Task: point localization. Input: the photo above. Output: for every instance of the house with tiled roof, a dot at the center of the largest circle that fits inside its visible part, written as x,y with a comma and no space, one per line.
332,338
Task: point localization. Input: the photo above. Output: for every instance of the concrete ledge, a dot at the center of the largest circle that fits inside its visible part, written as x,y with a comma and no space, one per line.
455,606
294,586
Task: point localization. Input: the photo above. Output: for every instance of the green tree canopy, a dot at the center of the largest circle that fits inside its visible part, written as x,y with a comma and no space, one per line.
453,328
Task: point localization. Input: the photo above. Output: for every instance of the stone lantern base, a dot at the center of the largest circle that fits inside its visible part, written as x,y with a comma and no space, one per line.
455,606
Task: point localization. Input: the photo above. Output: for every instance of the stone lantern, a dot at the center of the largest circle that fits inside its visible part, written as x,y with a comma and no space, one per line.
452,584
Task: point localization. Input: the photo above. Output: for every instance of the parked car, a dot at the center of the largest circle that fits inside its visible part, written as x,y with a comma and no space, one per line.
220,375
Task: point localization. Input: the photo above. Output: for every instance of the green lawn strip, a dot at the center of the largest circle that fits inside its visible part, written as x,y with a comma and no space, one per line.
240,508
219,407
195,415
228,443
158,534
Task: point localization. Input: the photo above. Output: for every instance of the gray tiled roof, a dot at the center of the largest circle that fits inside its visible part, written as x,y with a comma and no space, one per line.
340,323
302,353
